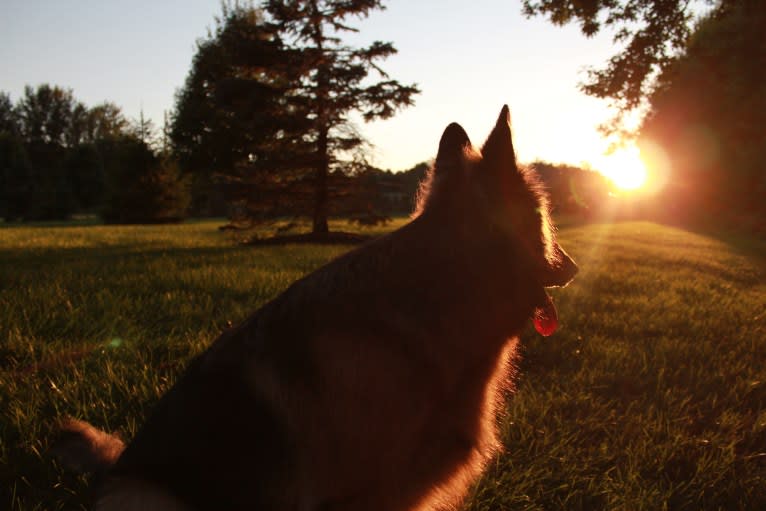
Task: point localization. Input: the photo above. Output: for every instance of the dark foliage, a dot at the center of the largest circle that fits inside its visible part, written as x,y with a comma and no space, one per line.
574,191
15,177
227,113
140,186
9,119
708,112
649,33
59,157
698,66
85,172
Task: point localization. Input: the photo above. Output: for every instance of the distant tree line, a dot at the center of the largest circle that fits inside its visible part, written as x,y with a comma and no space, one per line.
59,157
574,191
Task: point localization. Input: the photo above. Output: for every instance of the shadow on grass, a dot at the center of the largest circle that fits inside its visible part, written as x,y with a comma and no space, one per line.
327,238
750,245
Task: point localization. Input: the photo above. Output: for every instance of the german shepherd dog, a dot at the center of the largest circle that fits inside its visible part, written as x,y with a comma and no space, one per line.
374,382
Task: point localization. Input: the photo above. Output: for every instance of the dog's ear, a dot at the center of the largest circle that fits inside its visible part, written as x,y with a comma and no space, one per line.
452,149
498,151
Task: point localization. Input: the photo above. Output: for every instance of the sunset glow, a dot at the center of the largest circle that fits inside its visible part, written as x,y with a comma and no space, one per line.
624,167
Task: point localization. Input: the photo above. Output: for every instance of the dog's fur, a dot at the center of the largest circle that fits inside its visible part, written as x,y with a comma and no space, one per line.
372,383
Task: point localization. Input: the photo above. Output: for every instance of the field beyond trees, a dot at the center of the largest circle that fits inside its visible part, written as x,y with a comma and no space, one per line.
652,394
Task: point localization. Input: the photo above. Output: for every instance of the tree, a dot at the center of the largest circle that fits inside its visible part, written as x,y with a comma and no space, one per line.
84,168
695,68
144,130
211,133
267,102
58,156
14,166
14,176
333,84
707,112
140,186
105,121
45,122
46,115
9,120
651,33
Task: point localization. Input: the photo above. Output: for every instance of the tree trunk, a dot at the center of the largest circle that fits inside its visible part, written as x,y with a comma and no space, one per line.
323,162
320,200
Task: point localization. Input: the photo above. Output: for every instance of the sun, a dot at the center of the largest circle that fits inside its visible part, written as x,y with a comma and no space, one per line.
624,167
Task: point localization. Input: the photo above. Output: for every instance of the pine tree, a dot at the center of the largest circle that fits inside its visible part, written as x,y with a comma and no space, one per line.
333,84
225,115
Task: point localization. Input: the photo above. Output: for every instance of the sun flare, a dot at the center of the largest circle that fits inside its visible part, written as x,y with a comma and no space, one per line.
624,167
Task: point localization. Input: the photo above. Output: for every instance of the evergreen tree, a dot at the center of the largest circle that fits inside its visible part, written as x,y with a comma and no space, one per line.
9,121
141,187
224,114
334,85
144,130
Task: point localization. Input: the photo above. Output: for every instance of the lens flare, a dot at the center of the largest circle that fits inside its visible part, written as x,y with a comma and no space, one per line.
624,167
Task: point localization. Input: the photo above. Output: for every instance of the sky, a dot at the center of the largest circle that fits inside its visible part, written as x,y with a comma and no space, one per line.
468,59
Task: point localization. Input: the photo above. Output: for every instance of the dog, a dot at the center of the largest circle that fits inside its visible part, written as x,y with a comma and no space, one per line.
372,383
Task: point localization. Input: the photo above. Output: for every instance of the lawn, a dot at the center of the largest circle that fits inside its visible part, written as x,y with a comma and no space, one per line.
652,394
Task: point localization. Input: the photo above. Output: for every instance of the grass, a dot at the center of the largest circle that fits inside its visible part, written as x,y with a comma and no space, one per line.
652,395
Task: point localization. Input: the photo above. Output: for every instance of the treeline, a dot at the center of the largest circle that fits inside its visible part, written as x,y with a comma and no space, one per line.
573,191
60,157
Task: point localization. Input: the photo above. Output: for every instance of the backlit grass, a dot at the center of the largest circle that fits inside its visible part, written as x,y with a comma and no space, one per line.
650,396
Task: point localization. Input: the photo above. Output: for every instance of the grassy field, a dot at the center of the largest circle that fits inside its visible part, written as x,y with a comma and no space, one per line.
651,396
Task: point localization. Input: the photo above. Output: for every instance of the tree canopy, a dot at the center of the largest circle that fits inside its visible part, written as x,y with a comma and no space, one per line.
708,111
650,34
696,70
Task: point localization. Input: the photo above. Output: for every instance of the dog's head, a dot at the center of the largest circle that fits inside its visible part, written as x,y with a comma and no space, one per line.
506,208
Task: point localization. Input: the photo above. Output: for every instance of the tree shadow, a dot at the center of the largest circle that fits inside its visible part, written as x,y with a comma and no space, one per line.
327,238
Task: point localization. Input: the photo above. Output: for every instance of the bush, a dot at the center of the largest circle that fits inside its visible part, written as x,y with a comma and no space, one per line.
140,187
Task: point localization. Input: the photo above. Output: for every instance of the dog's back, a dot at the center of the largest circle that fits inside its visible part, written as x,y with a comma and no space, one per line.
374,382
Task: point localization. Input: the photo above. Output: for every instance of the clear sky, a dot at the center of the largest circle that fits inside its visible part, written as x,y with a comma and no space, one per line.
468,57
